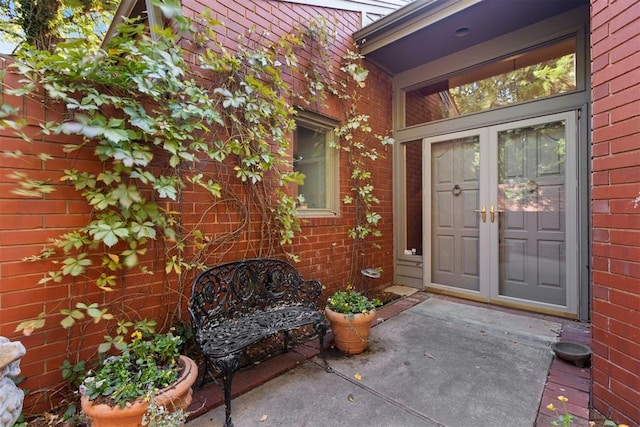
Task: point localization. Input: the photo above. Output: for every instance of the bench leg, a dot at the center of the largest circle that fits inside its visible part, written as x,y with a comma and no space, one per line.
207,373
321,329
287,341
227,366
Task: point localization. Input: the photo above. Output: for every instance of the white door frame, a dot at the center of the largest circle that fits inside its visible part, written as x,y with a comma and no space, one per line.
488,231
484,272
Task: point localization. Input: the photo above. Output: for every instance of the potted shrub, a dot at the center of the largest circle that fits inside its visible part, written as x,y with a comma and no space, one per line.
147,379
351,314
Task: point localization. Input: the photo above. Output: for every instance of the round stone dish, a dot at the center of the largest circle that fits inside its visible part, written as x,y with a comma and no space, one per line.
575,353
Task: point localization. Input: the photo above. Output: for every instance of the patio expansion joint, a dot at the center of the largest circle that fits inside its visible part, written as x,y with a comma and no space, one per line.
325,365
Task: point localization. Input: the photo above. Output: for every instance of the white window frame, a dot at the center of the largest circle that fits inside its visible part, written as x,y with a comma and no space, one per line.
326,125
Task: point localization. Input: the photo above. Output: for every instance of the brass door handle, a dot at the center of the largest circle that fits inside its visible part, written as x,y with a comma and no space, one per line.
482,211
493,211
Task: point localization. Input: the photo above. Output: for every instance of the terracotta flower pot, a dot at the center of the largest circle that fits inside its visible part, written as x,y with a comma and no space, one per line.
176,396
350,336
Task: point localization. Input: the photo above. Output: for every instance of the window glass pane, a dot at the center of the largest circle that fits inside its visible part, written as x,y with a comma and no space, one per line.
310,158
413,197
542,72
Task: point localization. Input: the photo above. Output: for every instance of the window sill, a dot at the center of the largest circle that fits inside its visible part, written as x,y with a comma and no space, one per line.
310,218
316,213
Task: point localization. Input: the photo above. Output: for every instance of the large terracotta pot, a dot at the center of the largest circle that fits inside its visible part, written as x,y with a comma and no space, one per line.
178,395
350,336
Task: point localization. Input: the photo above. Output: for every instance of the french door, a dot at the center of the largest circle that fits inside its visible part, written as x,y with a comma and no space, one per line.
501,213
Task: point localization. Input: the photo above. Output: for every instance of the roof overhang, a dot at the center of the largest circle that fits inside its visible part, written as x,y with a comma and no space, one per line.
133,8
426,30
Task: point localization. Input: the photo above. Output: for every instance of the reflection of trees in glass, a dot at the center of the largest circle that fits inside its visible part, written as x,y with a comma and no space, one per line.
524,84
472,146
529,160
310,154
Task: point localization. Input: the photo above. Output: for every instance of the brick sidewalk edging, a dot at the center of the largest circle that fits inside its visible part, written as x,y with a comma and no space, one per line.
568,380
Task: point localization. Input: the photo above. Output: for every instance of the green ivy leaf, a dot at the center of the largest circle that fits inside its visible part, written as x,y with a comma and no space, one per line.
99,201
80,128
116,135
109,177
108,233
106,283
126,195
373,217
76,266
71,317
28,326
144,230
104,347
166,187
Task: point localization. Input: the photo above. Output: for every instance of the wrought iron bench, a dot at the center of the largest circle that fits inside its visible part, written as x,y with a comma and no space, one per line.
238,304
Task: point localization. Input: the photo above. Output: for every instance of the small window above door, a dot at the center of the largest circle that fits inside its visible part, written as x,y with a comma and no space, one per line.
538,73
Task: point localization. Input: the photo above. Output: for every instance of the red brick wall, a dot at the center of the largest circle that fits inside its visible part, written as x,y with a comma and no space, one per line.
324,248
26,224
615,67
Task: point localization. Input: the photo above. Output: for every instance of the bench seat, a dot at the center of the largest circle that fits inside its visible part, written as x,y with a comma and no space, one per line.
220,338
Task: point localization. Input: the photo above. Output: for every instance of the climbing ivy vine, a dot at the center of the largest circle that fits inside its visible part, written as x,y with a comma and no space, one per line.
357,140
158,127
154,127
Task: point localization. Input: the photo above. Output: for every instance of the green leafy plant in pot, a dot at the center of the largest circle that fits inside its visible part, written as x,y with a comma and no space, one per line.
351,314
147,370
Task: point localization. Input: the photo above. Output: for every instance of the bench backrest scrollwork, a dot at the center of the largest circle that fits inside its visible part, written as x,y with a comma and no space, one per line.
238,288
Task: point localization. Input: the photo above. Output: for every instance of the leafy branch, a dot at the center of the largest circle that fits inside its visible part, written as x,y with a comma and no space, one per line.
361,145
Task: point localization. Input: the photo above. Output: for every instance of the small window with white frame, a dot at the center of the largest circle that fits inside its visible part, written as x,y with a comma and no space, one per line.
317,160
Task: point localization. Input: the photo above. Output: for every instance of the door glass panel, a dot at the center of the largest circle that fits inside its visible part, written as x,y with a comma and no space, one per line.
413,197
455,171
531,192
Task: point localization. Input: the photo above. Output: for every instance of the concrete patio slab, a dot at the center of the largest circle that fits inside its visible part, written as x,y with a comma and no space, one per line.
309,396
486,319
438,363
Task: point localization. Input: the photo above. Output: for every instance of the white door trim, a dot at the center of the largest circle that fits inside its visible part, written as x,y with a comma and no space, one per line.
488,262
483,135
571,212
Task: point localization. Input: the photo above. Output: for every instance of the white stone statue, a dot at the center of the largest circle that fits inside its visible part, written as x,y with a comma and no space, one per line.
11,396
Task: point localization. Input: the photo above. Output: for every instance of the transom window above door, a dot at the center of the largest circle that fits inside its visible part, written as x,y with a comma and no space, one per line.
537,73
317,160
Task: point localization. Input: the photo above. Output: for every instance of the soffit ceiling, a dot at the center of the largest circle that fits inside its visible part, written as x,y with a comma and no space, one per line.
416,45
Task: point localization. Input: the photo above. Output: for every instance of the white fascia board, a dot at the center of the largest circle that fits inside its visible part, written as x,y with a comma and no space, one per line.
395,32
154,14
125,9
376,7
